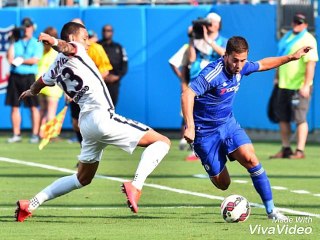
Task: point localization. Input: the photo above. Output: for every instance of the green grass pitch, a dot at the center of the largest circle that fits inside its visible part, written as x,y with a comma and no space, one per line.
174,205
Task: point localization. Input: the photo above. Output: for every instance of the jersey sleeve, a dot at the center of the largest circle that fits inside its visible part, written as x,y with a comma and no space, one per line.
49,77
208,78
177,59
199,85
250,67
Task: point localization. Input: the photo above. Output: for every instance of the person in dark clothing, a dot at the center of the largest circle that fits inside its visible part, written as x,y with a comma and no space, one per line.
119,61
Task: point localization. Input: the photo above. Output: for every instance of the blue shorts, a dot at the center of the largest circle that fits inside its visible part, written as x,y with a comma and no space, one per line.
213,148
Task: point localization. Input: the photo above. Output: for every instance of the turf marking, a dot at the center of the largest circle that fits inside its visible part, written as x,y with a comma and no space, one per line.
300,191
200,176
176,190
240,181
106,208
279,188
273,187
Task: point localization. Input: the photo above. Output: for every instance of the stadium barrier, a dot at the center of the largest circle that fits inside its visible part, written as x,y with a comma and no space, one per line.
150,92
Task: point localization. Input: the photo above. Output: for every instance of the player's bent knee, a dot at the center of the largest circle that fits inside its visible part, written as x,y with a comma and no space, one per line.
85,181
160,137
166,140
253,161
222,185
250,161
151,137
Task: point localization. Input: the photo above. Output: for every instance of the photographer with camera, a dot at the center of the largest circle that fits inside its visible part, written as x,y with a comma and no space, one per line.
206,44
23,55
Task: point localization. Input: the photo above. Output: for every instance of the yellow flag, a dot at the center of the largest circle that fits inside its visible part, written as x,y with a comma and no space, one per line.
52,128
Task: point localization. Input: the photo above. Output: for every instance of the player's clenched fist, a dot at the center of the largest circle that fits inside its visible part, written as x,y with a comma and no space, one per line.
47,39
301,52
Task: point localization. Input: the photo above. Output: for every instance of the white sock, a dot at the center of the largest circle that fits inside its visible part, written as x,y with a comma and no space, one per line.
150,159
59,187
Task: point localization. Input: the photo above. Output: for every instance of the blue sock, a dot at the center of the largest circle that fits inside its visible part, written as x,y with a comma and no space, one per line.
262,186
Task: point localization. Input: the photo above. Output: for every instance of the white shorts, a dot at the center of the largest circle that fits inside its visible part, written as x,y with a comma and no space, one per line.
99,130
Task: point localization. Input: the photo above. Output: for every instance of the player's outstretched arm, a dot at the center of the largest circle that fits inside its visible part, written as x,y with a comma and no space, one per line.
58,44
274,62
187,103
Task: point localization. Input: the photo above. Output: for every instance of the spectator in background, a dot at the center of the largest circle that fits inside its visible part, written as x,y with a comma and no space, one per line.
23,55
295,81
49,96
119,61
69,3
206,49
179,63
98,55
38,3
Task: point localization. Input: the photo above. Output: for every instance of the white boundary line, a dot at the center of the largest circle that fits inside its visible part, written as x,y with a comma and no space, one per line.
176,190
107,208
273,187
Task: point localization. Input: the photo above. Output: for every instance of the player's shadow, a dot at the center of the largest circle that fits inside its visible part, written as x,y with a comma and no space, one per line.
76,218
143,215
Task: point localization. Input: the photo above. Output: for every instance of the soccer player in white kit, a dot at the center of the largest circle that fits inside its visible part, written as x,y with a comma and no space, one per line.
100,126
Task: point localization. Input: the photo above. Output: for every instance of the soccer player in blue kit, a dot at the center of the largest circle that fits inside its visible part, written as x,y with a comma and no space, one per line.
211,126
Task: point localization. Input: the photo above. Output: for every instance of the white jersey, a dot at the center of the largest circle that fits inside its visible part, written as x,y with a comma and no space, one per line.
80,79
181,57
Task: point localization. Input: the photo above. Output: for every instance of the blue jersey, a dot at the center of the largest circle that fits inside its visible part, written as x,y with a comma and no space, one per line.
215,89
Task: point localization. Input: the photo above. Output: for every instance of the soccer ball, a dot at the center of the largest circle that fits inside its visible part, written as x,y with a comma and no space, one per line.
235,208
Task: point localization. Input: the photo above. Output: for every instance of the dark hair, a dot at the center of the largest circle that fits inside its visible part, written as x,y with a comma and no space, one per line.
237,44
27,22
70,28
51,31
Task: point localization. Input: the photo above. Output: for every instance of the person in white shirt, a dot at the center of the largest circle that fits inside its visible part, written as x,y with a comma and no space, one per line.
100,126
179,63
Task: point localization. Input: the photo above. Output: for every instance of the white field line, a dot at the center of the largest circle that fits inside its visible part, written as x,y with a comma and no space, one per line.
279,188
273,187
300,191
176,190
105,208
240,181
